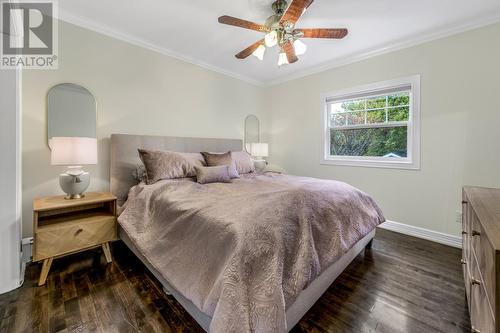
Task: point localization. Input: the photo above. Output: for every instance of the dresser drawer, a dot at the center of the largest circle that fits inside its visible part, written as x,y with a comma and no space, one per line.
485,258
466,269
76,235
482,318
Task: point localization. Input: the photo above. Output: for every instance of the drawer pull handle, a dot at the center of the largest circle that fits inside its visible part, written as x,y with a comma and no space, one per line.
474,330
78,232
474,281
464,232
463,262
464,202
476,233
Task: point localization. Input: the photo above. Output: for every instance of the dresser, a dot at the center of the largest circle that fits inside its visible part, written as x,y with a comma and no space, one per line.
481,256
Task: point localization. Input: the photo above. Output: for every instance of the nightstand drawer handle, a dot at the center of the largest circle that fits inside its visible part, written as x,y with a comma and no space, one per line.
475,281
78,232
476,233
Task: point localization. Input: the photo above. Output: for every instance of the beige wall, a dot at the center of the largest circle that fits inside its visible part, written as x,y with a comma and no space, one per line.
138,91
142,92
460,136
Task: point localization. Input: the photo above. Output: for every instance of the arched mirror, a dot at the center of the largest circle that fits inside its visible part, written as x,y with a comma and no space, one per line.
252,131
71,112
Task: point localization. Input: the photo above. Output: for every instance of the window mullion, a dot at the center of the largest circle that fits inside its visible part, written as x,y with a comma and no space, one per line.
386,109
372,125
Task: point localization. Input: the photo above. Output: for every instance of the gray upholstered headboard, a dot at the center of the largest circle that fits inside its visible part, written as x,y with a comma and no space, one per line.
124,156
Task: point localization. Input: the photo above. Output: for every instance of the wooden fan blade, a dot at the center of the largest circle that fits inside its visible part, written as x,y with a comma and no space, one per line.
290,53
229,20
249,50
324,33
295,11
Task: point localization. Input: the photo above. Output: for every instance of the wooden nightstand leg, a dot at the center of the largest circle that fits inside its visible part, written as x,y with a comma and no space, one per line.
107,252
45,271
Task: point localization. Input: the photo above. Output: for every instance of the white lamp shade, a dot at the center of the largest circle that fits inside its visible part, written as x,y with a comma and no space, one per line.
73,151
271,39
282,59
259,149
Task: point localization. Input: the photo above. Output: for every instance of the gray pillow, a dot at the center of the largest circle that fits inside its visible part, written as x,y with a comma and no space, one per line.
213,174
162,164
243,162
139,174
213,159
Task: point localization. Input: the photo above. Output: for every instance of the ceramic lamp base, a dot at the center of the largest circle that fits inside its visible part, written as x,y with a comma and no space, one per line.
260,164
74,184
74,196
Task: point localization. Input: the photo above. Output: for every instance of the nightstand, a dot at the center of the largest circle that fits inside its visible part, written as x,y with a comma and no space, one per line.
62,227
274,169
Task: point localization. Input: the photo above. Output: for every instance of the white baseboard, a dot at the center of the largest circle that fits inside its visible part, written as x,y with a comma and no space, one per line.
434,236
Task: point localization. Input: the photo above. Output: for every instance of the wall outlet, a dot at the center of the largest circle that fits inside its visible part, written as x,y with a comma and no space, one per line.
458,216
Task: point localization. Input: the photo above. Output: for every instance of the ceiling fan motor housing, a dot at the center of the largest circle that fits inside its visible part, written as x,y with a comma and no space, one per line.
279,6
285,31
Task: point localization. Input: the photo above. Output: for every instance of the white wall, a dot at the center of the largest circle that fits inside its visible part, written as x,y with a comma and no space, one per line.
10,186
138,91
460,134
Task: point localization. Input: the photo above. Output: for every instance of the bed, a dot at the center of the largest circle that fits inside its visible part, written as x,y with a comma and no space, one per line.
224,251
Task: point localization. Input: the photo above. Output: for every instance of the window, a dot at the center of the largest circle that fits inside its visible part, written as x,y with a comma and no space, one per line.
376,125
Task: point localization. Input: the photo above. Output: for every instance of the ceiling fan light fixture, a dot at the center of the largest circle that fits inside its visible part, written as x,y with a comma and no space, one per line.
280,30
271,39
282,59
300,47
259,52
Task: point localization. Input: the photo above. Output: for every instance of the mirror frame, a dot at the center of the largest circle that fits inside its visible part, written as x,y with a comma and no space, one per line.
245,139
47,106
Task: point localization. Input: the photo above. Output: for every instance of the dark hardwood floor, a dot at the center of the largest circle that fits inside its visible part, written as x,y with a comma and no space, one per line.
403,284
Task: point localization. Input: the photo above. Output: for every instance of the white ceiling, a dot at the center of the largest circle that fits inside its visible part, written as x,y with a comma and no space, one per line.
188,29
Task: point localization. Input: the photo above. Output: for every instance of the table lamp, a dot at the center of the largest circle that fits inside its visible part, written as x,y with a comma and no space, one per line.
259,150
74,152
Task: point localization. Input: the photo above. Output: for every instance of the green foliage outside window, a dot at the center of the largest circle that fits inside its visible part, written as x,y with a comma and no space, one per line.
371,141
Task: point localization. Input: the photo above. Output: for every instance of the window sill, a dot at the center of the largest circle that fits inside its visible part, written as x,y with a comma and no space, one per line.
371,163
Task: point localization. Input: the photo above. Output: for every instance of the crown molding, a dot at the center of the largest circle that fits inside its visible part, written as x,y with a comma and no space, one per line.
350,59
104,30
392,47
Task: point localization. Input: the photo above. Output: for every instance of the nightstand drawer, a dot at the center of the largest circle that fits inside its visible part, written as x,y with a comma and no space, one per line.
74,235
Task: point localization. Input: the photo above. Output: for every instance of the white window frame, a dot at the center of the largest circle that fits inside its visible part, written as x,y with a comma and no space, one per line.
412,161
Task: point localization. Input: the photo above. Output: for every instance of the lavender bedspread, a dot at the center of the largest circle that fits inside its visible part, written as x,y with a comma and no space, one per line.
243,251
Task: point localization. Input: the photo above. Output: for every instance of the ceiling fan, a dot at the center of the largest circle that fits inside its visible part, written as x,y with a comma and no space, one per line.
280,30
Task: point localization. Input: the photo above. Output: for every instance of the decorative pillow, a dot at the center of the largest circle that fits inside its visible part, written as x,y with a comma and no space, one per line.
243,162
139,174
162,164
213,159
213,174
